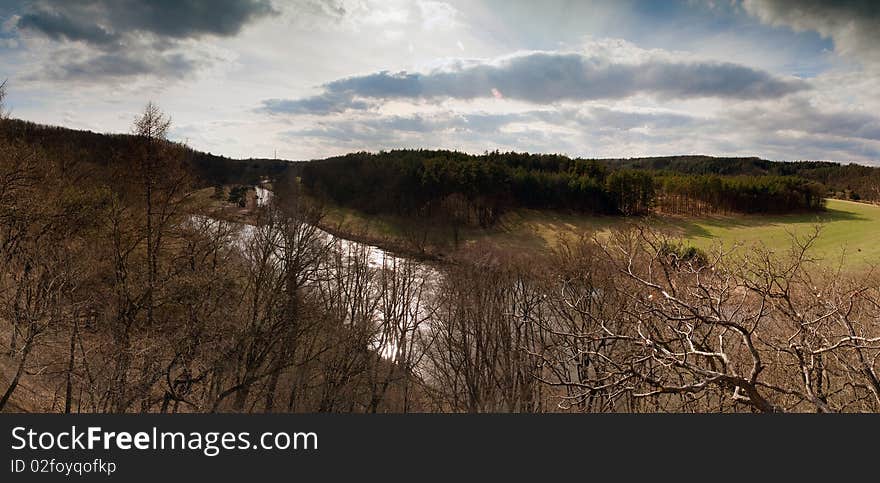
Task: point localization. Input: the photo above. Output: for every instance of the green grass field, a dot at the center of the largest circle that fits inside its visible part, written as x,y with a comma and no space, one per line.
846,225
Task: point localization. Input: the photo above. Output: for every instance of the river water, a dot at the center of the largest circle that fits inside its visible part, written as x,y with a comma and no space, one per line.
377,259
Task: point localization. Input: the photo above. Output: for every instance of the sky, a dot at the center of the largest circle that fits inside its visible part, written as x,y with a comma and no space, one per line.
308,79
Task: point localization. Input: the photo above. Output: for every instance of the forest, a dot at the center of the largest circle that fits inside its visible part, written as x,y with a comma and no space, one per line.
846,181
477,190
111,151
121,293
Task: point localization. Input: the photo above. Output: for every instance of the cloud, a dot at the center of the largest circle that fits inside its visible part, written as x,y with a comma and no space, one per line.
550,77
437,15
103,21
474,132
851,24
390,17
57,26
628,120
321,10
791,128
327,103
538,130
126,38
71,64
800,116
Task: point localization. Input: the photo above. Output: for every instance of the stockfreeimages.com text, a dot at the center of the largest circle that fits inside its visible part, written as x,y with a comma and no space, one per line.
209,443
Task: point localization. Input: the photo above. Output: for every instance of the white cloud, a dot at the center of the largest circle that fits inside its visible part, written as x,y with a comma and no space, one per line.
437,15
550,77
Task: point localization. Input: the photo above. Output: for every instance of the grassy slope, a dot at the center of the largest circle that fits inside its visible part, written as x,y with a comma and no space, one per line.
846,225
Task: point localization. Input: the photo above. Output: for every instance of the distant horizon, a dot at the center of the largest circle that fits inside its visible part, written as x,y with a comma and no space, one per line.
479,153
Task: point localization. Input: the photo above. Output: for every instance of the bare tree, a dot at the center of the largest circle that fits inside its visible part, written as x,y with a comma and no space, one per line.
151,126
148,211
41,252
4,112
302,250
677,332
480,359
399,341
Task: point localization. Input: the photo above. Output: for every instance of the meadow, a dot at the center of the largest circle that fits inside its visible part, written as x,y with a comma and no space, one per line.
846,226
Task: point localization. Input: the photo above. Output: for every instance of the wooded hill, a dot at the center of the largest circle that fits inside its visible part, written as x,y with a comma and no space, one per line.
477,189
846,181
120,292
115,150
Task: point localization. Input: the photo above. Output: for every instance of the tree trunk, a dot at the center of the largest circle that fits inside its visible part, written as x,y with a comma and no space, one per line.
68,396
14,384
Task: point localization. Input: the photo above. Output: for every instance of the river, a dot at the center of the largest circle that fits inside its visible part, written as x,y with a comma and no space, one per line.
425,275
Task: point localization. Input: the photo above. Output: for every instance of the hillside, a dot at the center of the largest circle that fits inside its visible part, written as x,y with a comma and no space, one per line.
115,150
128,285
477,189
459,190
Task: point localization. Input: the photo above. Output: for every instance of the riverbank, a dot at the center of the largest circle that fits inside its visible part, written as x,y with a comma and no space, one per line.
845,226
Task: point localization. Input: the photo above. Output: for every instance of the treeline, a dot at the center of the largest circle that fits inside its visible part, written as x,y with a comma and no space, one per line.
473,189
114,150
704,194
846,181
478,189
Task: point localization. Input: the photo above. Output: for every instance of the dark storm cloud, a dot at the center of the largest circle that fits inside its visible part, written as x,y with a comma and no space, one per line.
103,21
115,39
61,27
548,77
851,24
